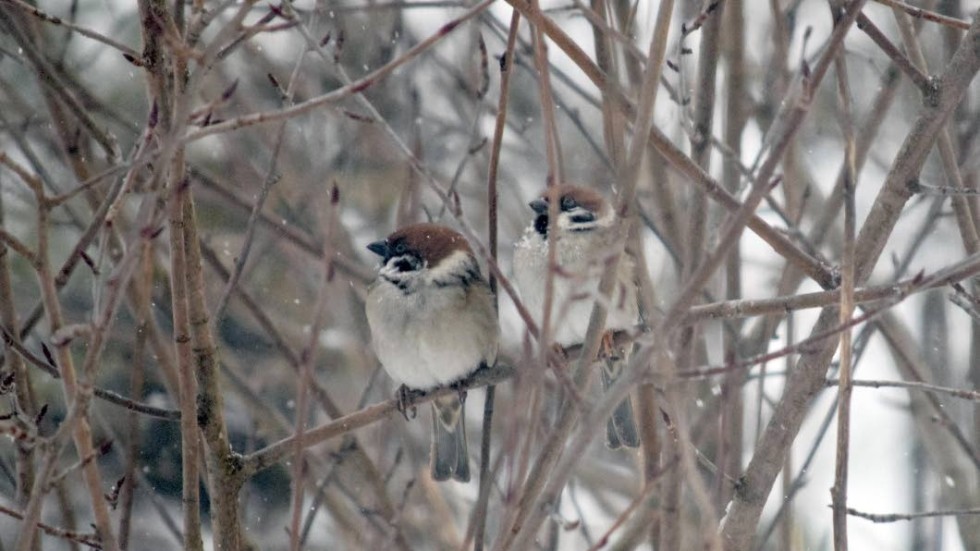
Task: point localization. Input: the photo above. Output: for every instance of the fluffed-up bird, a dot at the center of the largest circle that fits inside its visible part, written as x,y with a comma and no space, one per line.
433,323
583,241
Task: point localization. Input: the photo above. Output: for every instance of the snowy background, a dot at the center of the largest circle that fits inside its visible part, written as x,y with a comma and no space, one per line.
433,106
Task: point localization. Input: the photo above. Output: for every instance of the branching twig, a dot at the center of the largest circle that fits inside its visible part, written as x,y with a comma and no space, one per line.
278,451
128,52
341,93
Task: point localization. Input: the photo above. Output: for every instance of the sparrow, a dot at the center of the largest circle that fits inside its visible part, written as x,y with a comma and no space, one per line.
433,323
583,240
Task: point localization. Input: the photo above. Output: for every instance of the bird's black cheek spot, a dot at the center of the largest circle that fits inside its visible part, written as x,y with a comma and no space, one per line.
541,224
407,263
403,266
583,218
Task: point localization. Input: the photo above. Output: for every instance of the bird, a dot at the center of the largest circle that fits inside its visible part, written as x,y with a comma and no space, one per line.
433,323
583,239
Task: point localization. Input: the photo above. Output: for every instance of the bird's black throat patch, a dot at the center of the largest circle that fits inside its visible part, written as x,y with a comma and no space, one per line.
541,225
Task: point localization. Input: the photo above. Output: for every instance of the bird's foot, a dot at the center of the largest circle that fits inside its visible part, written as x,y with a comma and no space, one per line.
460,388
406,401
608,349
558,356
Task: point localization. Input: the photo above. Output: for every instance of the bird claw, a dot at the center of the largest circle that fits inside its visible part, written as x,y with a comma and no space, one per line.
559,352
461,390
608,349
406,398
558,357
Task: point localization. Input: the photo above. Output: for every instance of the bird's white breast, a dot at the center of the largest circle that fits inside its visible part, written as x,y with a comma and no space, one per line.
426,338
581,259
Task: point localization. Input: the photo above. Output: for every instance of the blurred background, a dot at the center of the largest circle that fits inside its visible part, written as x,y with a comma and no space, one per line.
104,108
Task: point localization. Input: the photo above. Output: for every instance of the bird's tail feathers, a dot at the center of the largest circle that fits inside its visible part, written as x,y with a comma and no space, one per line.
449,457
621,426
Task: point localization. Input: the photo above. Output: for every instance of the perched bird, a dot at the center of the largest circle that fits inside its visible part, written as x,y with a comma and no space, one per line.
583,238
433,323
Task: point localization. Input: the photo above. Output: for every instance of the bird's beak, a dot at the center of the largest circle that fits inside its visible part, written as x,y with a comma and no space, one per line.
539,206
379,248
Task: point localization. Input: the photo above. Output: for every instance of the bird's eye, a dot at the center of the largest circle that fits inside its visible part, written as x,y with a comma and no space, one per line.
400,249
567,203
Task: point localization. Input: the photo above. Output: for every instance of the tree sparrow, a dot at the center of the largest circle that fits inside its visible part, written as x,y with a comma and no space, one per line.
433,323
583,240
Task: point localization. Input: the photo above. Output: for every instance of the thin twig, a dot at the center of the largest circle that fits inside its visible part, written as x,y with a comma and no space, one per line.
973,395
842,456
896,517
547,105
927,15
944,191
89,540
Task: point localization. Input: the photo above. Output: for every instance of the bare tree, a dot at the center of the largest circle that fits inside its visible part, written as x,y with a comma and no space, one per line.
186,189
